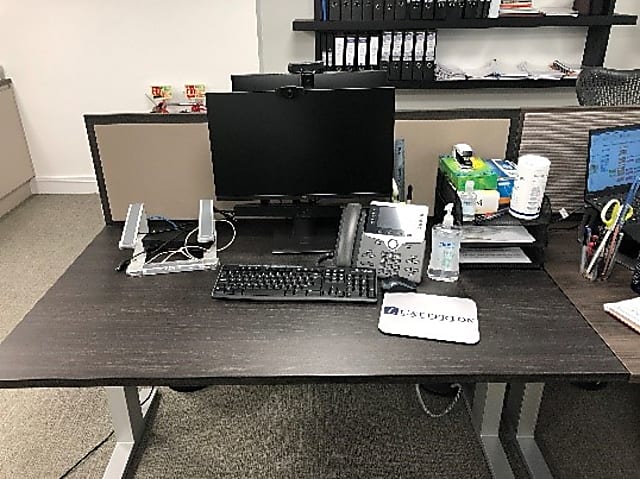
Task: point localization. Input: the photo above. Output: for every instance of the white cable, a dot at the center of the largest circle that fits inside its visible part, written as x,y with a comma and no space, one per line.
447,410
233,237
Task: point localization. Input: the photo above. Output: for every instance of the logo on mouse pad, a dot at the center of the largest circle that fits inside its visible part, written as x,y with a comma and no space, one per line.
391,310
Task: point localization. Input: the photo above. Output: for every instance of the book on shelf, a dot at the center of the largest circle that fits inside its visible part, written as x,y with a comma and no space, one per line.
626,311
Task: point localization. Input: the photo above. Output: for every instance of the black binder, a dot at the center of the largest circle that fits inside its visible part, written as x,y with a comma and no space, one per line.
408,45
345,11
429,73
389,9
484,8
471,9
440,12
334,9
386,42
401,10
395,65
395,71
454,10
418,56
378,10
415,9
356,10
428,9
367,10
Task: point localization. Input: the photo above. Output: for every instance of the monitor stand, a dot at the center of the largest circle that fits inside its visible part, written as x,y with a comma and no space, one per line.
306,235
309,228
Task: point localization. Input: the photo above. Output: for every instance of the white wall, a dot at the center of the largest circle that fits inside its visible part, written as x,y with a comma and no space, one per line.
71,57
463,47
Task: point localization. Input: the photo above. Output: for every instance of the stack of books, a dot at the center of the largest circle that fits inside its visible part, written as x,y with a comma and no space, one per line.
516,8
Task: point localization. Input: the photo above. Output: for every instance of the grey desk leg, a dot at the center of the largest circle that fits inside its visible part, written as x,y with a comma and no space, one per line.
128,423
486,411
521,410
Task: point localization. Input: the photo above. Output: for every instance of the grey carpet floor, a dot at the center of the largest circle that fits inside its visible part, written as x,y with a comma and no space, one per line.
308,431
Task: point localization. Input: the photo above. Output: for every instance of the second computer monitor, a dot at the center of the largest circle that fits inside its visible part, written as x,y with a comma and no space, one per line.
329,80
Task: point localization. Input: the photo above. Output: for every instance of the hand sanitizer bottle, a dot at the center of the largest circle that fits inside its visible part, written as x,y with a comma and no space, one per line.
468,200
444,264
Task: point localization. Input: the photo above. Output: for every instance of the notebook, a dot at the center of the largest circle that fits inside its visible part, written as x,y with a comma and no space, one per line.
627,311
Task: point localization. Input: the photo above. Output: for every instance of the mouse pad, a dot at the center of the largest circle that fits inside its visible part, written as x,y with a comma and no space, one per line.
429,316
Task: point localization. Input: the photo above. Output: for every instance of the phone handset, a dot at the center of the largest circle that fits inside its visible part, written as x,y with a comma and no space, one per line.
347,234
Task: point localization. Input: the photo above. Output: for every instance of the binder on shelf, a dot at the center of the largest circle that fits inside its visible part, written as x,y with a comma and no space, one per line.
471,9
385,53
455,9
345,11
334,9
330,47
362,52
338,49
401,10
407,57
395,66
440,12
430,56
415,9
356,10
389,9
374,45
324,48
367,10
320,11
483,8
428,9
350,53
378,10
418,56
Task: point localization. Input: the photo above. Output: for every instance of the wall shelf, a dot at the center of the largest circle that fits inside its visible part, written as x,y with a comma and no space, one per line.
481,84
598,30
302,25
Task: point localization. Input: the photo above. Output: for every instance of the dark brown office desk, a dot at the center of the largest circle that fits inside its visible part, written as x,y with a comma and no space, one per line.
588,297
96,327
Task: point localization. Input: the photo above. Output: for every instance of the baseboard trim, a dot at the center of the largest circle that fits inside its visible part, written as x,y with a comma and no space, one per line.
13,199
57,185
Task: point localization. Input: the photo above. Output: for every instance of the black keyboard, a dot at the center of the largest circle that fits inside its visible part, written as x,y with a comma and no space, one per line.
295,283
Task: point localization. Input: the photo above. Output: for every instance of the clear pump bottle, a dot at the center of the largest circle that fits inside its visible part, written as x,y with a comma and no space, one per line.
444,264
468,200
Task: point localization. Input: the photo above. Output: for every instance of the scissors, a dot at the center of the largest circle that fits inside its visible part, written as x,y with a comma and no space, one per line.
611,211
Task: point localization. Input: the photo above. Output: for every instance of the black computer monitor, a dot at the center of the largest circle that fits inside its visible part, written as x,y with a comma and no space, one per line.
264,81
303,145
327,80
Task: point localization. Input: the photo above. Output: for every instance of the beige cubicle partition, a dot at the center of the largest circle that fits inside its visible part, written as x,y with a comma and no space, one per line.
16,169
165,161
165,166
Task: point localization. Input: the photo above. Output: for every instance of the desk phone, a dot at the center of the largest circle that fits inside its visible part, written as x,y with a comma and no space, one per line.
388,237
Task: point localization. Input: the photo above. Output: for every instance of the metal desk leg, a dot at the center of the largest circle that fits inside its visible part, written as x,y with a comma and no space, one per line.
128,423
521,410
486,411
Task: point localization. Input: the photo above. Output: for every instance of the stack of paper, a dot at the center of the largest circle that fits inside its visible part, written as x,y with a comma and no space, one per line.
540,72
627,311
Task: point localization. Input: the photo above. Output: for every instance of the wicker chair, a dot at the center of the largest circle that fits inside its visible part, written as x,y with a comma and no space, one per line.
598,86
